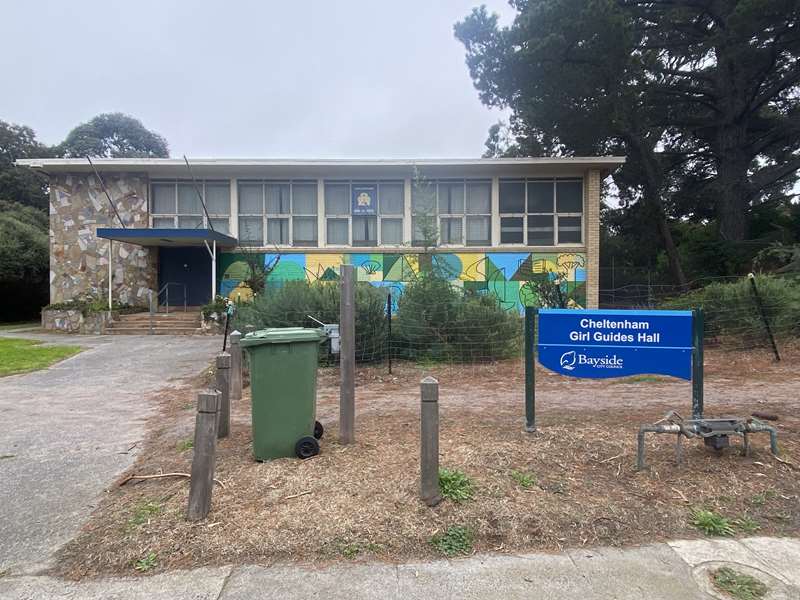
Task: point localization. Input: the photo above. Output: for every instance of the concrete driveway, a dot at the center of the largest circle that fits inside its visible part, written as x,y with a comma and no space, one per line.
67,431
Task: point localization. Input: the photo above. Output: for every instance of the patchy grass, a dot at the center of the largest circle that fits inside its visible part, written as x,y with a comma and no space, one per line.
746,524
762,498
711,523
185,445
456,540
455,485
147,562
23,356
20,325
524,480
738,585
640,379
142,514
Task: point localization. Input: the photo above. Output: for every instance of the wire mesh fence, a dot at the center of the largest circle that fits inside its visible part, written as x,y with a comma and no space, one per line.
440,323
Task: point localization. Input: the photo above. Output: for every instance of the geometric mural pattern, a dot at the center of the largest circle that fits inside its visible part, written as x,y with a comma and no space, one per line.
509,276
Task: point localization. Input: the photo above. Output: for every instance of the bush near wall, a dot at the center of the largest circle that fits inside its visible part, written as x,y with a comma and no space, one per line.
731,311
440,322
291,304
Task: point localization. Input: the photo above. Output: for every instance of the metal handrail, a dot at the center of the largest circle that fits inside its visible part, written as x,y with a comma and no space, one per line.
165,287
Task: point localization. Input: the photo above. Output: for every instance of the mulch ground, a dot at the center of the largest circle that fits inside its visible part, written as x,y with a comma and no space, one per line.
360,502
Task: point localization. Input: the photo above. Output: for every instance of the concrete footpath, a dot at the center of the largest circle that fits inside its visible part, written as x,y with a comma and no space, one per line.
666,571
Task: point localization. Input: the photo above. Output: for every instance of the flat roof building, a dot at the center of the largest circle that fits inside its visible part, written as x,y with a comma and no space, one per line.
499,225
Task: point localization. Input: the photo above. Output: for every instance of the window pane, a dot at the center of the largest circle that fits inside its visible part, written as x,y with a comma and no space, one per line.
479,198
251,196
251,231
163,199
337,232
540,230
218,198
276,198
188,200
569,196
479,231
304,231
390,197
512,197
304,199
451,198
365,231
569,230
451,231
540,196
337,199
163,223
220,225
392,231
511,230
190,222
423,198
278,231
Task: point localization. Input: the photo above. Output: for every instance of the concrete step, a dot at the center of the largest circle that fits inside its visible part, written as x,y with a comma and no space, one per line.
160,320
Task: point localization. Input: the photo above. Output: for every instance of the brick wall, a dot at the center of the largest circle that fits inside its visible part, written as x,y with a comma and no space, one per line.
592,239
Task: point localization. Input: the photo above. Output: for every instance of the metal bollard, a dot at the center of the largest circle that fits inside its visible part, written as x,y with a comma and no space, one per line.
205,451
429,442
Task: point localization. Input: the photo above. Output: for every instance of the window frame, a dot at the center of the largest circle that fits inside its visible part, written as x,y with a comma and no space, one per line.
554,213
177,214
463,215
378,216
287,216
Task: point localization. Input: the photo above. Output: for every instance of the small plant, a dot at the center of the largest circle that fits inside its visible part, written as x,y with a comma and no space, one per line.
185,445
455,485
747,524
146,563
524,480
711,523
456,540
142,513
762,498
738,585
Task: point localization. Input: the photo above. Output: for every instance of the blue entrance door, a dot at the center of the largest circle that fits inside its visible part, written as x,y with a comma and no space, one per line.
189,266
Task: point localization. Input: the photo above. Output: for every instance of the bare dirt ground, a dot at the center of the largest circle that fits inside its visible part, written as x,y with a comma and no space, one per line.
361,501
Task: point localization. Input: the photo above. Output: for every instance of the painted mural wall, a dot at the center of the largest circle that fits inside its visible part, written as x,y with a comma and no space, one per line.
511,277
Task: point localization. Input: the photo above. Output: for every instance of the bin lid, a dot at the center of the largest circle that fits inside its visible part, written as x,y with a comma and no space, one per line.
282,335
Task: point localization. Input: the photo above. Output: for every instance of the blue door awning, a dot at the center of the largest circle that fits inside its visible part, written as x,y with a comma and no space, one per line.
166,237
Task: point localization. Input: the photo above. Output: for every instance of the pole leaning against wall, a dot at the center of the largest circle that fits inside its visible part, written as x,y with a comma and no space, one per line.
347,356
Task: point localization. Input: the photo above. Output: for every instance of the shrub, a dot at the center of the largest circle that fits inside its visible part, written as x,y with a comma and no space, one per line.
292,305
730,309
438,321
455,540
89,305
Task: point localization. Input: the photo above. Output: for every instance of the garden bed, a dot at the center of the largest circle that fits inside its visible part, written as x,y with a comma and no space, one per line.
572,484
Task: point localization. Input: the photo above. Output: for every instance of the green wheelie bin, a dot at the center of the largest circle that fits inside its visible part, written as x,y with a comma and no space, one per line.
283,386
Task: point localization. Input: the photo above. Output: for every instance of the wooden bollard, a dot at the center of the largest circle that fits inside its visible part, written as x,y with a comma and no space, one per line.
205,451
236,366
347,356
429,442
224,388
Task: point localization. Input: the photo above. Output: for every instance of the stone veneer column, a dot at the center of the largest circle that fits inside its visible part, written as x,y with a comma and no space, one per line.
78,258
593,239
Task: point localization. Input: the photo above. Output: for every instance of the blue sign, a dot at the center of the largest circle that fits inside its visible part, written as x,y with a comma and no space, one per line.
365,199
615,343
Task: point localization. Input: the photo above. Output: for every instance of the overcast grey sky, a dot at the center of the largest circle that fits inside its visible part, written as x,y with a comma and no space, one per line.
336,78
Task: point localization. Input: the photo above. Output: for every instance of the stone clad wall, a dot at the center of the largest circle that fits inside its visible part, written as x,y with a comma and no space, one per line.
78,259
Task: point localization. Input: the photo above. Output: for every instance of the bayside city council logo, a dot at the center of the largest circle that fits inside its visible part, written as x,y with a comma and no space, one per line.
570,359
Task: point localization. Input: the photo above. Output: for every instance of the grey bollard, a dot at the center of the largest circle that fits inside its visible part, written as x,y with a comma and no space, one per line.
347,356
236,366
205,451
429,442
224,388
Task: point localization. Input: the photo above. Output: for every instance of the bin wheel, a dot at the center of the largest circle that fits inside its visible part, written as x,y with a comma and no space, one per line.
318,430
306,447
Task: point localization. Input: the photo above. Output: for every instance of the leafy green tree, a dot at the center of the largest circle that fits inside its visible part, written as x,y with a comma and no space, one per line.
24,261
18,184
700,95
114,135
